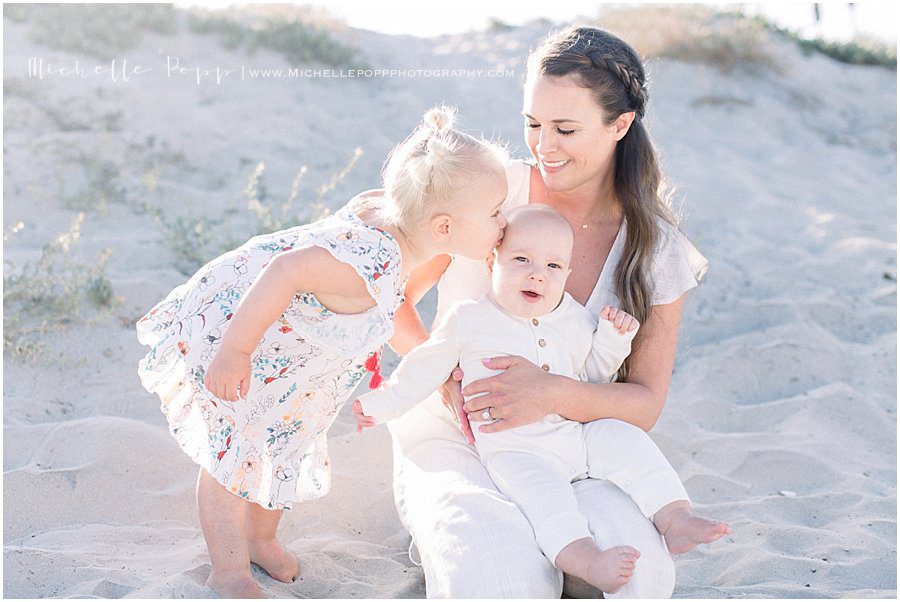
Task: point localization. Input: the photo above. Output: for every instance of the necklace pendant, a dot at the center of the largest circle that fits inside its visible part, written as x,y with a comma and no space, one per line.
584,226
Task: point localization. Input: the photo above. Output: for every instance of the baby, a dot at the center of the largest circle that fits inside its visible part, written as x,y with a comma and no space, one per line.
527,313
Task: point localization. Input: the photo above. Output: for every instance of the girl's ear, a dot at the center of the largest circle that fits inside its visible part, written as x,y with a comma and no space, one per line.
440,227
491,259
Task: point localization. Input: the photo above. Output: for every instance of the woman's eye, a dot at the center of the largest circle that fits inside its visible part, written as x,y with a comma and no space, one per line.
532,125
565,132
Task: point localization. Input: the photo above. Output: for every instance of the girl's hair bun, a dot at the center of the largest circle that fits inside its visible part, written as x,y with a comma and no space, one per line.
440,119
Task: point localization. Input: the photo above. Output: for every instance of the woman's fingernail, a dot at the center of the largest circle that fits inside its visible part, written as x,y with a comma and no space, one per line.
486,361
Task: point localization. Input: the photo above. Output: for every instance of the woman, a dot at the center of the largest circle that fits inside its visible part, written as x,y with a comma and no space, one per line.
583,109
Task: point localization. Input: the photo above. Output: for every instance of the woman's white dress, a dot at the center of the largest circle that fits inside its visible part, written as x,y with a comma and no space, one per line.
471,540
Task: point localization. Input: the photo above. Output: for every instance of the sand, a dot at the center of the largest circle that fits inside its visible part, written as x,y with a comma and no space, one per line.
781,417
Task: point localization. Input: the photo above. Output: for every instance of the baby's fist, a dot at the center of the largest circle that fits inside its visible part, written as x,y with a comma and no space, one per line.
362,421
622,321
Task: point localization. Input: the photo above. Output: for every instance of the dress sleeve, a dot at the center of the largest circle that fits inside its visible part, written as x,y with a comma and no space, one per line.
419,374
677,266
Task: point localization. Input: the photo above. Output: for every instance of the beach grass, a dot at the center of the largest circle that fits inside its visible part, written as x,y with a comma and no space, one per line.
56,290
98,30
197,238
298,41
728,40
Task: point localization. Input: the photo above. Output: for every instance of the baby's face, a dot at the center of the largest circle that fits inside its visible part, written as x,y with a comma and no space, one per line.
531,266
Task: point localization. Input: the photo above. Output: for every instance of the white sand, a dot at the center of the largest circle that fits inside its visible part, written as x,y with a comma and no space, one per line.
782,413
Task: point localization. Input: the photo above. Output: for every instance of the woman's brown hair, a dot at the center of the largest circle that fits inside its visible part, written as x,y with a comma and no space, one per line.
614,73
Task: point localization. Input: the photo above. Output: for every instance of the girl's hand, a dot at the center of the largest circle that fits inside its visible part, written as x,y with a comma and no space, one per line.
453,399
622,321
228,376
519,395
362,421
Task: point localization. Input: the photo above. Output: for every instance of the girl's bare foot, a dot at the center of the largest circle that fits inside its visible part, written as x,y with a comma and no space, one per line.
234,585
271,556
610,569
683,531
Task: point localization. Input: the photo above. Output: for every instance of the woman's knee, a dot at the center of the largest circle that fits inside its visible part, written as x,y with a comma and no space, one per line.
482,549
610,427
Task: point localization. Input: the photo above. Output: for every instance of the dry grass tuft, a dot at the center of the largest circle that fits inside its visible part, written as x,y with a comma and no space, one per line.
695,34
56,290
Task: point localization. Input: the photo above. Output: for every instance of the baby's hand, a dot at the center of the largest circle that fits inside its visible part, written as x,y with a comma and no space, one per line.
622,321
228,376
362,421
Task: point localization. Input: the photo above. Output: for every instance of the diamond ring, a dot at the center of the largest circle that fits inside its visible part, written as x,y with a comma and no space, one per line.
486,415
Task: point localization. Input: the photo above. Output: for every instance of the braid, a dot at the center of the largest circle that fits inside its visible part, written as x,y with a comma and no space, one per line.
633,85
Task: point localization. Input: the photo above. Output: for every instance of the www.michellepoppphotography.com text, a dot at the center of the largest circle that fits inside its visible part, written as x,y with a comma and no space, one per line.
123,70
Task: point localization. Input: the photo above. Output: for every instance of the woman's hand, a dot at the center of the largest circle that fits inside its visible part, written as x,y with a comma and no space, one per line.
228,376
453,399
520,395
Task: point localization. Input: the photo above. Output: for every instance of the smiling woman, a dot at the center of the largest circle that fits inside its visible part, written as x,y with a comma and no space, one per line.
583,105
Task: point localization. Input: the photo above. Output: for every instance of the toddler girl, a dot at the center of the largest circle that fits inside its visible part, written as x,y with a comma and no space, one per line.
254,356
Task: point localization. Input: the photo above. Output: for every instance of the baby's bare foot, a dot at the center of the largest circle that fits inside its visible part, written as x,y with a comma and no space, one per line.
610,569
683,531
271,556
234,585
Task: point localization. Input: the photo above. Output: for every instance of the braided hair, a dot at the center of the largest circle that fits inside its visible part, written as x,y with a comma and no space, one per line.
614,73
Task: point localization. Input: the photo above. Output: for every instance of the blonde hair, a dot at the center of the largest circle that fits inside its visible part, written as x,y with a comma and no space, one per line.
422,171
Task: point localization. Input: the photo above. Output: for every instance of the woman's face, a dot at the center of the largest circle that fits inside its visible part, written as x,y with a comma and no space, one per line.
566,133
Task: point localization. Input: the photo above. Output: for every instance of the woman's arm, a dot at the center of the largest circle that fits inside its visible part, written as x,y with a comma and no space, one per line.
524,393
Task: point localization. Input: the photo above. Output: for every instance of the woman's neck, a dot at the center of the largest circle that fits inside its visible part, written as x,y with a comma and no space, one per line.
592,202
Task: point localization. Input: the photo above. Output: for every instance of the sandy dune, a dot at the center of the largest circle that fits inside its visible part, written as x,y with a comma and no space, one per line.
782,413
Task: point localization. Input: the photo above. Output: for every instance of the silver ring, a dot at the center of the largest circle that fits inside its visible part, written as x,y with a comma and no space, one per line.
486,415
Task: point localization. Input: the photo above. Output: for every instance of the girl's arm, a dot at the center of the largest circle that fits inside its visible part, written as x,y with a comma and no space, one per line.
310,269
410,332
524,393
408,328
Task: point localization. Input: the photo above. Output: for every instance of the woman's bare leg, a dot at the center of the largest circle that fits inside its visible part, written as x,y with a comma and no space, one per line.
223,518
266,551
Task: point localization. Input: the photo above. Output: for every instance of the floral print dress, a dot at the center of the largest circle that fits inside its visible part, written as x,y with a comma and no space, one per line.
270,448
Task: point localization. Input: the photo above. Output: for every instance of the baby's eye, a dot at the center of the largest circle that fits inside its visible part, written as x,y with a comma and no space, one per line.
565,132
554,266
520,259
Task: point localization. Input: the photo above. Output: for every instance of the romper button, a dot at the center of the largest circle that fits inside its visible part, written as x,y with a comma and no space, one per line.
535,321
546,367
542,343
